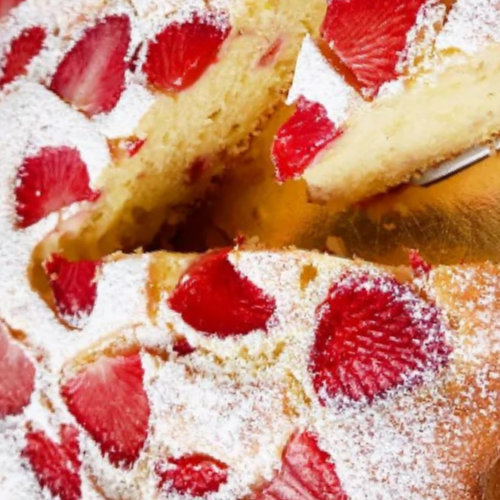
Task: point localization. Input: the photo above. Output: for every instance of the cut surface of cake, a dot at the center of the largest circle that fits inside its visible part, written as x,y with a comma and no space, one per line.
390,90
247,374
162,88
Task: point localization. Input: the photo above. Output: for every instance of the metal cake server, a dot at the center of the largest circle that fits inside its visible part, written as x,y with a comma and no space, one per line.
454,165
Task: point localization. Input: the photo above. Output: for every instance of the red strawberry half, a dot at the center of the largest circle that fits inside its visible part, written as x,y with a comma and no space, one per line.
17,376
301,139
195,475
53,179
108,400
22,50
56,465
214,298
307,473
182,52
92,75
370,35
7,5
374,334
74,287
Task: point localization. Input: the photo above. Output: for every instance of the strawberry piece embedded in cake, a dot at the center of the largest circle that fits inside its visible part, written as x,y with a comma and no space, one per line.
17,376
214,298
108,400
306,472
301,139
91,77
374,335
74,288
183,51
371,36
196,475
22,50
52,179
56,464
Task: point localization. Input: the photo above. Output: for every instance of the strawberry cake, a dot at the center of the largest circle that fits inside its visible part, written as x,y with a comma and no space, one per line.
117,111
239,374
389,90
248,374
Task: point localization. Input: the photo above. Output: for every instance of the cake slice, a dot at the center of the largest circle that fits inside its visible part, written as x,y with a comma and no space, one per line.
388,91
168,87
316,377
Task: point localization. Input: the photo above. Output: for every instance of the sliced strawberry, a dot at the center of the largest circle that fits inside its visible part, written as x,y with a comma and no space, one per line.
7,5
22,50
214,298
108,400
307,473
369,36
92,75
308,132
182,52
17,376
374,334
418,264
195,475
74,286
56,465
53,179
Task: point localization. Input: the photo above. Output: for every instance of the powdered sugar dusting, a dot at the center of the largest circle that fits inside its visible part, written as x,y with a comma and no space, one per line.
160,9
65,26
123,119
421,38
472,24
368,447
242,423
242,409
29,112
318,82
46,412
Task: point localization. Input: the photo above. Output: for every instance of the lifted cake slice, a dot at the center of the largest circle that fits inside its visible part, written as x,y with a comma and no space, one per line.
428,94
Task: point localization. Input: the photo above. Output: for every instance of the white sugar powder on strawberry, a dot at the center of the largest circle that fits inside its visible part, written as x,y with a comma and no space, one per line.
29,113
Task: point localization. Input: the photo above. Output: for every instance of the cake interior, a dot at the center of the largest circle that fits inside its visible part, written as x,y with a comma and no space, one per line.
188,134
